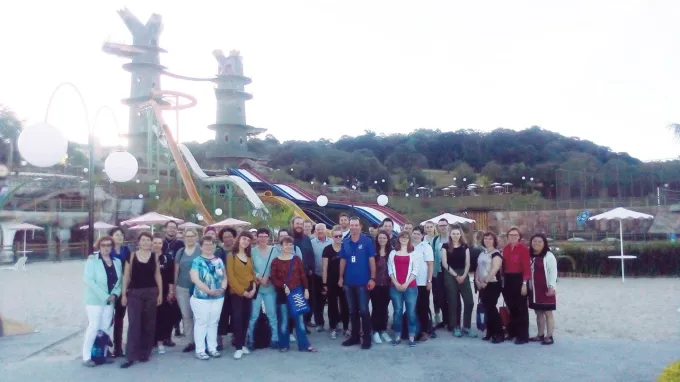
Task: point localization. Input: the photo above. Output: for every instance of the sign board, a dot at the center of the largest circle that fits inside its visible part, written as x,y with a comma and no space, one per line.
152,188
582,217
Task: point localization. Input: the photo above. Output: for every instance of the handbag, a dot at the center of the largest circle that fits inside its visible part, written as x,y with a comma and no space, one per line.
481,316
253,284
296,301
505,314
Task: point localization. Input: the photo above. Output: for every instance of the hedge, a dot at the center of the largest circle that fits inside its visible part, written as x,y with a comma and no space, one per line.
653,259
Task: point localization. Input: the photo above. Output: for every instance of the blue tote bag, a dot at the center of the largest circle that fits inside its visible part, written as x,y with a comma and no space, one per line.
481,317
296,301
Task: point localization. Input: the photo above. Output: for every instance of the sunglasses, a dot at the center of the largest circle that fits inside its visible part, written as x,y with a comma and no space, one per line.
337,236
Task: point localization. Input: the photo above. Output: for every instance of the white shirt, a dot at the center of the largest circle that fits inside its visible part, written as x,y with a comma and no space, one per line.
425,254
345,233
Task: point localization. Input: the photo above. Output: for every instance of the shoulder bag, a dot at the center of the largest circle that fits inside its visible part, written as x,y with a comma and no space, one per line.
296,301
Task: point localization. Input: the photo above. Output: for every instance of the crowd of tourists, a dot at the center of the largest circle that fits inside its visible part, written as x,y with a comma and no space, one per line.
269,292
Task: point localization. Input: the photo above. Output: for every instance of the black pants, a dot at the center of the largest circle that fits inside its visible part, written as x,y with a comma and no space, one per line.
423,309
118,320
141,322
240,316
517,305
489,296
337,307
380,302
317,302
165,320
225,323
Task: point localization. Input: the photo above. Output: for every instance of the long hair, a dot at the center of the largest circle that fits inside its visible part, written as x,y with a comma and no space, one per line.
409,247
237,244
461,241
388,246
546,248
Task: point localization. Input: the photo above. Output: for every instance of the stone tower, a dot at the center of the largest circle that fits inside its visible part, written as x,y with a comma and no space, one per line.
231,130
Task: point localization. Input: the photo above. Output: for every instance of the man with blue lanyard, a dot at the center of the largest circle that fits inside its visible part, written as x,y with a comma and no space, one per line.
357,278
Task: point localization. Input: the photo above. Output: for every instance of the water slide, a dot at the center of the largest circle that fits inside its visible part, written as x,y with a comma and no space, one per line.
269,198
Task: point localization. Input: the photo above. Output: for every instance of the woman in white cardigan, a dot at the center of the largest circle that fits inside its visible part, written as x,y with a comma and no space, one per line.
542,288
402,267
103,275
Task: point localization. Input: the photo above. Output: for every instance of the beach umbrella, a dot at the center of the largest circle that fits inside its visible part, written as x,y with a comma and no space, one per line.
451,218
99,226
140,227
231,222
190,225
495,184
25,227
621,214
151,218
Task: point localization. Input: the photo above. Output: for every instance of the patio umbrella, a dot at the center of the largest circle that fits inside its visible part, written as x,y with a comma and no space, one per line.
495,184
230,222
451,218
140,227
25,227
190,225
621,214
151,218
99,226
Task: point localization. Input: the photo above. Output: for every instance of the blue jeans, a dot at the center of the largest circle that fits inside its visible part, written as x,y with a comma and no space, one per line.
408,297
357,302
300,330
270,309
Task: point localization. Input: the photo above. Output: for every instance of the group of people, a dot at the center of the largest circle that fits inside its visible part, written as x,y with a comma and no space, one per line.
240,281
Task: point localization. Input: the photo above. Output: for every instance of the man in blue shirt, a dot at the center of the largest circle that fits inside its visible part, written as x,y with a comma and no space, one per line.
357,277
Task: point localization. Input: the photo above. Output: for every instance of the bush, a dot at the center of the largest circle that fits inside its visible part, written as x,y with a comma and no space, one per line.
653,259
671,373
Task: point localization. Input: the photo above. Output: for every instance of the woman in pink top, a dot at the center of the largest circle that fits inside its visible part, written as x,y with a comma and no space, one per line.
403,267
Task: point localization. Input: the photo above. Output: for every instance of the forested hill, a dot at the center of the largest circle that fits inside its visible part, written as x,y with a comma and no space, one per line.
501,155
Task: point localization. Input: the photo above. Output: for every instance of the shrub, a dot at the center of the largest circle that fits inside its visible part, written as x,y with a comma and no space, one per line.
671,373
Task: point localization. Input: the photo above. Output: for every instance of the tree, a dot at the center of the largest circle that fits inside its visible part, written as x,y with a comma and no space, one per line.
493,171
10,128
464,170
407,157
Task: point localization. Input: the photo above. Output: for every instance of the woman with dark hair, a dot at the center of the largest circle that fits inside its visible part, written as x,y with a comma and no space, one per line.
403,269
262,255
103,274
542,288
183,262
142,293
456,266
242,288
338,311
226,238
380,294
121,252
489,279
288,274
210,284
516,274
165,313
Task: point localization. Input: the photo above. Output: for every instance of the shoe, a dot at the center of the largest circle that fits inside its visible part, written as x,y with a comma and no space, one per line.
283,350
169,343
469,333
292,338
202,356
108,361
376,338
548,341
386,337
126,364
412,344
438,319
334,334
274,345
307,331
311,324
161,349
348,333
497,340
214,354
351,342
178,333
537,338
245,350
144,359
486,337
89,363
433,335
521,342
366,345
220,347
238,354
424,337
440,325
396,342
457,332
189,348
320,329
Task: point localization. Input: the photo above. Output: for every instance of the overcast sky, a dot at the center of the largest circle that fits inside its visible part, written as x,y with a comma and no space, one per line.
606,71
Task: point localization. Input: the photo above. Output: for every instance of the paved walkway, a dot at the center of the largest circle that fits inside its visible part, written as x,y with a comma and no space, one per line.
445,358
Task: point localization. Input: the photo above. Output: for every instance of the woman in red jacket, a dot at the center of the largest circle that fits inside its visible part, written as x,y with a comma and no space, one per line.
516,272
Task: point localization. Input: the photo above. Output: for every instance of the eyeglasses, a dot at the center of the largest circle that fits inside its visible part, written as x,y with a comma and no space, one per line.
189,236
337,236
513,235
105,245
263,237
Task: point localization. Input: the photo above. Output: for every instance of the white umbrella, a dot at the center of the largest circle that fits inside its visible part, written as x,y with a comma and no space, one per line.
621,214
507,184
25,227
151,218
140,227
190,225
451,218
99,226
230,222
495,184
453,186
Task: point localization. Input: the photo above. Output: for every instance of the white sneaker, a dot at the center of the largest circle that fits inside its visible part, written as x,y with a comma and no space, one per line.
334,334
202,356
292,338
386,337
161,349
245,350
215,354
238,354
437,318
376,338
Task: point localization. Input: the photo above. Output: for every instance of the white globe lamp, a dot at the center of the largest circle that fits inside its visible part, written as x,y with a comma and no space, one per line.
121,166
218,212
42,145
382,200
322,200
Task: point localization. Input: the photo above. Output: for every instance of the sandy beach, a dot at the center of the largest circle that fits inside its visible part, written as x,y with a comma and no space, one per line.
50,295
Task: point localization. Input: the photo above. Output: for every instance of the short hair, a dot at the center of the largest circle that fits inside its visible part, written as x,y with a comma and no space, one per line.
211,228
336,228
492,235
294,218
514,228
205,238
354,217
263,230
237,242
144,234
546,247
382,223
375,226
167,223
225,230
113,230
158,236
285,240
408,223
405,234
343,214
320,225
308,221
98,244
419,229
443,220
192,230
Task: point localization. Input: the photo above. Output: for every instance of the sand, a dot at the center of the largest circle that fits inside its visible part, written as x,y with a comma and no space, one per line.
50,295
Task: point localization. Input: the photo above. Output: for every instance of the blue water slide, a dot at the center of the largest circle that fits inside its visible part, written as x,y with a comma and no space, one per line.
352,211
319,217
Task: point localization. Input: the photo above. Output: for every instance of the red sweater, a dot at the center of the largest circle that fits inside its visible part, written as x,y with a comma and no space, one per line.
517,260
279,271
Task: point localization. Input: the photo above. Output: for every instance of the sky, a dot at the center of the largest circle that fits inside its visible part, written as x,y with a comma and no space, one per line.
604,71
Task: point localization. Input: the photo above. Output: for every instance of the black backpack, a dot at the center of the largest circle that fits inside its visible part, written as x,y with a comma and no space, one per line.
263,332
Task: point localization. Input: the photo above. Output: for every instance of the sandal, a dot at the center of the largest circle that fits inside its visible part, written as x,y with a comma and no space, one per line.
311,350
548,341
537,338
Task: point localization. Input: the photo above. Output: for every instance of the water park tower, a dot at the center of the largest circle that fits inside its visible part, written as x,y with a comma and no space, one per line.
231,130
145,72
